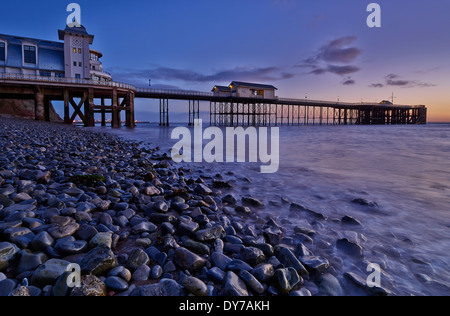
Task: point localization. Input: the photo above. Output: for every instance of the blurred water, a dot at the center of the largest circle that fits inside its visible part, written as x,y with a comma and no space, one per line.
404,169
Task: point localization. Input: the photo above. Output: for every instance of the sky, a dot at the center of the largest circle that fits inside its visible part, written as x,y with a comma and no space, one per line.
323,48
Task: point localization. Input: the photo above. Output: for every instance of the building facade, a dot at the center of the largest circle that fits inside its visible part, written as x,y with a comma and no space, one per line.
70,58
246,90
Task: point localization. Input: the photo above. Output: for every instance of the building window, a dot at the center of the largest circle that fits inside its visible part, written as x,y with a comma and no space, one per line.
29,54
80,64
77,76
59,75
2,51
74,63
74,50
79,50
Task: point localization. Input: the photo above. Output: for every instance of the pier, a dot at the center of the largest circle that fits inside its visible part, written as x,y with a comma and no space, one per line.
225,109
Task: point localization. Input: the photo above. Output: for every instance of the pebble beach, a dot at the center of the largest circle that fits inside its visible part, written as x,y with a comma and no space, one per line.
139,225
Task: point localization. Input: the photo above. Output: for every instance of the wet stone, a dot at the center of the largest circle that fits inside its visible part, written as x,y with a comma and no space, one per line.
137,259
216,275
234,286
49,272
210,234
98,261
350,248
61,232
253,256
329,285
116,284
187,260
288,259
287,280
263,272
315,263
195,286
8,253
251,282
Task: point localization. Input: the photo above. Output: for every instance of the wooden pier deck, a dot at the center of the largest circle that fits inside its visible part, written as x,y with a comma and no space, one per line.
80,97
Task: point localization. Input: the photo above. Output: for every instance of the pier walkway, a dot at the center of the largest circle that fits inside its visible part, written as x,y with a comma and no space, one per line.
85,98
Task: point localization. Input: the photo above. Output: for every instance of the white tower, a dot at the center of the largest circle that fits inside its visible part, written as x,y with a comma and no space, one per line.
76,51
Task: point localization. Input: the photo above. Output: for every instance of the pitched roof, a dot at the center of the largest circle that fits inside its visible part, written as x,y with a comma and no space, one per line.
253,85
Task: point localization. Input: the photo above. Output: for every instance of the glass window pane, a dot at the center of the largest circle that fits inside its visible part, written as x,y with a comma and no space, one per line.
29,54
2,52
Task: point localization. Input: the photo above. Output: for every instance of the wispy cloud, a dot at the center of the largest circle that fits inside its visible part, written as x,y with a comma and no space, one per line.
393,80
348,82
335,57
168,74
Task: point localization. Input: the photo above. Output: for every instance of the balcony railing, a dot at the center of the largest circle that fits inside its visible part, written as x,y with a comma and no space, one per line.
27,78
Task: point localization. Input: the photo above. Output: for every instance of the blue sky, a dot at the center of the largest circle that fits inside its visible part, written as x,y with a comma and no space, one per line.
320,48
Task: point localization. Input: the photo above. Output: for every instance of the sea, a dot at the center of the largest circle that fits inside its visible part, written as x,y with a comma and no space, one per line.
405,170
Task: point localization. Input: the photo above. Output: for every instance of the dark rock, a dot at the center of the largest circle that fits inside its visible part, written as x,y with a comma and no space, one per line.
252,283
160,206
237,265
187,260
315,263
99,239
253,256
7,286
165,288
202,189
263,272
142,273
229,199
329,285
8,253
197,247
116,284
362,283
144,227
71,247
273,235
365,202
157,272
287,280
49,272
295,207
161,218
216,275
350,248
121,272
249,201
98,261
210,234
91,286
234,286
348,220
137,259
29,261
86,232
187,227
65,231
195,286
289,260
220,260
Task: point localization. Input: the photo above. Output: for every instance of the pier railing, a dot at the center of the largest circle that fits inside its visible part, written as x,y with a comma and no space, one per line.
29,78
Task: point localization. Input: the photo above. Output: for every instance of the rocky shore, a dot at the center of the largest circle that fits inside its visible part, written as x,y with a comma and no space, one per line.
137,224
